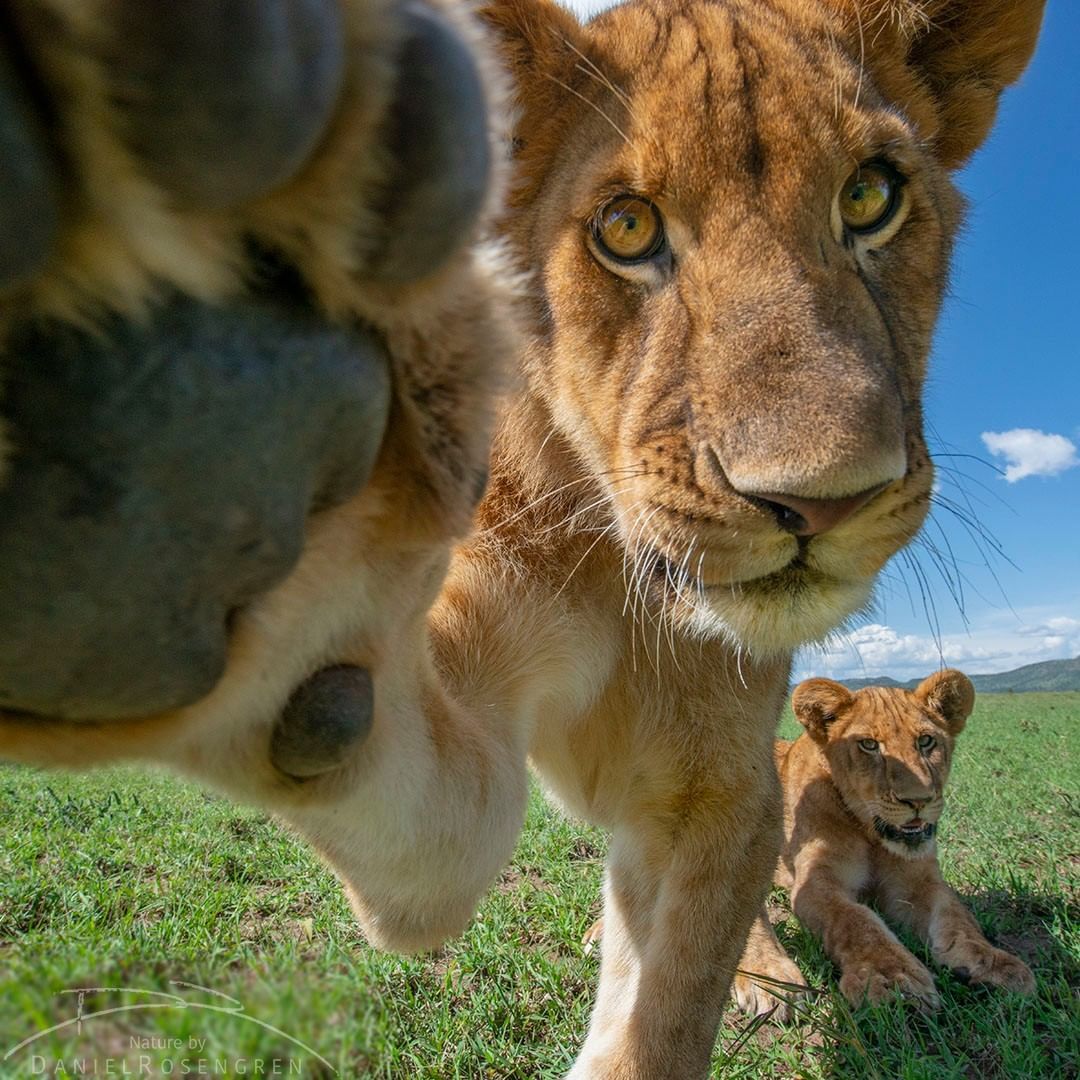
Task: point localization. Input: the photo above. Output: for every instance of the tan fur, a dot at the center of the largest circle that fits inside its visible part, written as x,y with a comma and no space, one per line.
837,794
621,615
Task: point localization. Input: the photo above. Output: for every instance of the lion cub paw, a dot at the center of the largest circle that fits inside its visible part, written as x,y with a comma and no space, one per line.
590,941
875,982
993,967
775,990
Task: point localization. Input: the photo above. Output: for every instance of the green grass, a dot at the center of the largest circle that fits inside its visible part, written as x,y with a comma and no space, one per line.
135,882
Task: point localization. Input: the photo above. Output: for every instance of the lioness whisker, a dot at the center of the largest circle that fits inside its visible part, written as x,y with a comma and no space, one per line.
641,611
630,603
552,494
738,665
959,480
949,451
987,564
645,554
678,581
669,598
984,541
659,631
911,559
588,551
535,502
598,75
604,497
963,581
629,551
638,612
592,105
684,572
552,431
947,565
988,547
978,532
862,56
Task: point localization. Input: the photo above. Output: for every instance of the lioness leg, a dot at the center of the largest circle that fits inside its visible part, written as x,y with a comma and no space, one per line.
921,899
873,963
677,909
764,964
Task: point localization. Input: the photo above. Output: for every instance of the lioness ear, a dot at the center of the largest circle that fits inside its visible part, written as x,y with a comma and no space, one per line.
536,41
816,703
950,694
963,52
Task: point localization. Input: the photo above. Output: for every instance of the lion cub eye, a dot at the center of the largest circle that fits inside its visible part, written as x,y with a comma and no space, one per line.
870,197
629,229
869,745
926,742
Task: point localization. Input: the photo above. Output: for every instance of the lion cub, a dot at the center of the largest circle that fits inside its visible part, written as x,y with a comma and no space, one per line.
862,797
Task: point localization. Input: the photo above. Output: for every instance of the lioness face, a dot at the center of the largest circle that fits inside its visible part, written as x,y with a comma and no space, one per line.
744,246
890,751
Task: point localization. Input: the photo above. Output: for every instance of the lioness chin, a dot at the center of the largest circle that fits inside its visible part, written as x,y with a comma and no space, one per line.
735,218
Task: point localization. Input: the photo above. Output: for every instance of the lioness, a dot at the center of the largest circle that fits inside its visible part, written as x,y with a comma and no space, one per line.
863,793
736,220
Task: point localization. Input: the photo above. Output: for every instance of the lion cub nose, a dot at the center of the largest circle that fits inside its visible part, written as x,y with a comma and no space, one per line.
809,517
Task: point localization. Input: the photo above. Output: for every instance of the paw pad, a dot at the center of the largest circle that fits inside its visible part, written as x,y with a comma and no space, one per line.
326,717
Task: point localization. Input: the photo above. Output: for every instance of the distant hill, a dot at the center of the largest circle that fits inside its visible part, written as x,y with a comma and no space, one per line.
1047,675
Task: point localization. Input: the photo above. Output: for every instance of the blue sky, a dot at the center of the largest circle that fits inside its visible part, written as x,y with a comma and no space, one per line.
1006,366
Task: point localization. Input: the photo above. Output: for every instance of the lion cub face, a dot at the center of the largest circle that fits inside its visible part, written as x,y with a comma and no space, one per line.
743,230
890,750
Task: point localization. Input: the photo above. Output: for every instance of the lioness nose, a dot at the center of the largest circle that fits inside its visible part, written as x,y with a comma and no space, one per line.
915,804
809,517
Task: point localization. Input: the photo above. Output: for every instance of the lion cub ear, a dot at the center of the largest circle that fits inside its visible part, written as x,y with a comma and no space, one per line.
963,52
816,703
950,694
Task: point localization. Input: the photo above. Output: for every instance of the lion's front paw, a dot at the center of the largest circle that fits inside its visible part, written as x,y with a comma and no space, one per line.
206,257
875,981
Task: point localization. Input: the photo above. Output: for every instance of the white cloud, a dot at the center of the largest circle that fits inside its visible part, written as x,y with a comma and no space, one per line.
998,644
1059,624
1031,453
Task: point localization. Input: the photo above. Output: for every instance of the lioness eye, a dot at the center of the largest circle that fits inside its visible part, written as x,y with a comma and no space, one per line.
869,197
869,745
629,229
926,742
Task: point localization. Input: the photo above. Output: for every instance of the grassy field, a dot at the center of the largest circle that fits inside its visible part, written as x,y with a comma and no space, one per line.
169,899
